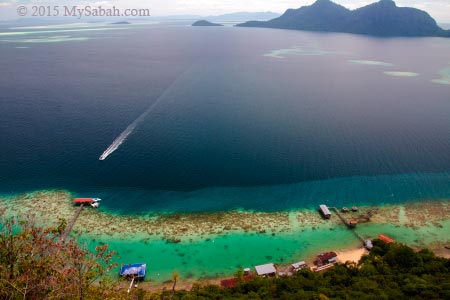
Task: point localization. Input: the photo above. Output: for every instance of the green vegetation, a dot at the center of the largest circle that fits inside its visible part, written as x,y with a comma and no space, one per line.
35,265
382,18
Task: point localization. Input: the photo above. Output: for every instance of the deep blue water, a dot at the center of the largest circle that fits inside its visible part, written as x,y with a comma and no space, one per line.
232,127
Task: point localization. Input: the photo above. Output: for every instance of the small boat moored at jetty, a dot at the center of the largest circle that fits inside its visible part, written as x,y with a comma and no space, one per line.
94,202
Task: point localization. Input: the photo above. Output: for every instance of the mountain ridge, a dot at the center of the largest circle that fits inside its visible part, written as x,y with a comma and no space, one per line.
383,18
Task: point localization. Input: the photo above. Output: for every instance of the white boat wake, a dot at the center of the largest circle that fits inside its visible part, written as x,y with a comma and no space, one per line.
123,136
130,128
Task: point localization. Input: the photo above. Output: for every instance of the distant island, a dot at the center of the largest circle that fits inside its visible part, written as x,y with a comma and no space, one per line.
383,18
205,23
244,16
121,23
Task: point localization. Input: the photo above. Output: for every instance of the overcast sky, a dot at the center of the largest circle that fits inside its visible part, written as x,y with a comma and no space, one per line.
438,9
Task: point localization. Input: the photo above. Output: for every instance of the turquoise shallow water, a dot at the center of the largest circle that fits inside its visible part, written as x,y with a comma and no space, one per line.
220,256
361,190
210,256
413,236
223,255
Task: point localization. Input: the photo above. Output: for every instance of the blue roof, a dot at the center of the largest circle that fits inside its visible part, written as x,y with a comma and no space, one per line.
133,269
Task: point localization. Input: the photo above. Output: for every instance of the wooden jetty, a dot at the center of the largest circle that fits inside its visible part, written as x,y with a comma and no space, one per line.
94,202
360,237
350,223
70,225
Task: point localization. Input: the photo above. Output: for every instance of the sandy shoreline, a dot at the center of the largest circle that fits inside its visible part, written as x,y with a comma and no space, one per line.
353,255
49,206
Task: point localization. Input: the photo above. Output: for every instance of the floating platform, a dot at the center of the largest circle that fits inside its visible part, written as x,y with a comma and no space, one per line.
133,270
94,202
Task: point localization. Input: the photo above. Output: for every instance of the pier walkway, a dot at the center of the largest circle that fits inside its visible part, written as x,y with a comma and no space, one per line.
344,219
360,237
349,225
70,225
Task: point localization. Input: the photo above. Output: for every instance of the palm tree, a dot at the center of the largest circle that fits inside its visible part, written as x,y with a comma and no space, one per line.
175,279
163,294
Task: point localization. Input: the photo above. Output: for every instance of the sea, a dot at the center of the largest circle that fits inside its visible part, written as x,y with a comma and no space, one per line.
200,119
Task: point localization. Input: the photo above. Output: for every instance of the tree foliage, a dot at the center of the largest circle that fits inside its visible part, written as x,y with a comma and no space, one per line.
34,264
